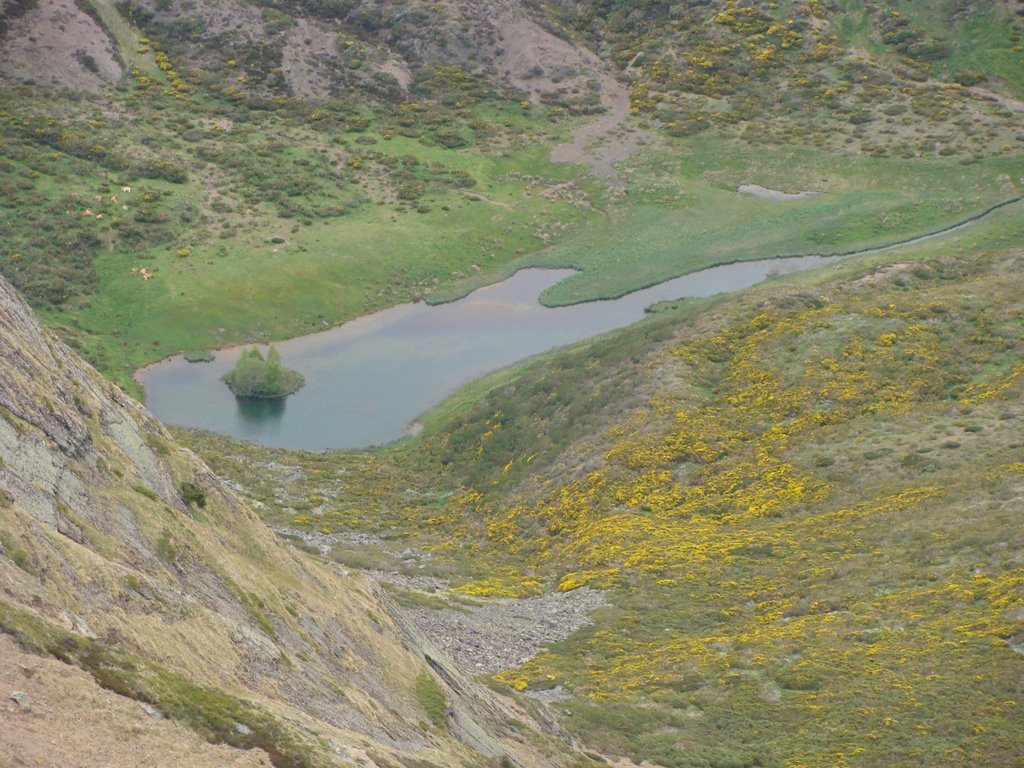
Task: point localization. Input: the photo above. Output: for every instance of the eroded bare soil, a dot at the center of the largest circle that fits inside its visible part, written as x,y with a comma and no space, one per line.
55,43
74,722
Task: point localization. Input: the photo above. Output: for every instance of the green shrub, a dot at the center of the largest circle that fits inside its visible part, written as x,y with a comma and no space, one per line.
9,546
192,494
256,376
143,490
157,444
275,20
431,697
165,548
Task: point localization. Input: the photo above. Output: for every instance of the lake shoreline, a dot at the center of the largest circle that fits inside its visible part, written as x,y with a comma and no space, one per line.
368,379
502,276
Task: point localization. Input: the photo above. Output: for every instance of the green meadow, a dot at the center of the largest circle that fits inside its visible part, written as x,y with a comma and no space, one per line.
273,278
984,42
684,213
262,225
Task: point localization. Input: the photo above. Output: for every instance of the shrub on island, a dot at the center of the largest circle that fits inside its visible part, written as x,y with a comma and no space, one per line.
256,376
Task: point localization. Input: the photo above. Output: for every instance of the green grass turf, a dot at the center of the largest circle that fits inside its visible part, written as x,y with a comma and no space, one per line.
684,213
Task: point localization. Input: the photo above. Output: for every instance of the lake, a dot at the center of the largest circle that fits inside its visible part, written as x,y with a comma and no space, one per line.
368,379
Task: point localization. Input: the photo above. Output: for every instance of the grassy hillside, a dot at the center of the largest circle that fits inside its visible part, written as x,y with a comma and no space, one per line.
293,165
801,504
968,43
827,73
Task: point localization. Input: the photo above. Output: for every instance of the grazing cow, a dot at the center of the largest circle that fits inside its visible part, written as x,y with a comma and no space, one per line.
126,189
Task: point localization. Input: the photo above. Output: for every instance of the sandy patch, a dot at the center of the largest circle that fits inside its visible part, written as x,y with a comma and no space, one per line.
772,194
601,143
221,123
884,273
533,60
536,61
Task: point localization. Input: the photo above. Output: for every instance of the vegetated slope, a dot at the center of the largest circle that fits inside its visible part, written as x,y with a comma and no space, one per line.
240,198
842,75
109,729
294,163
803,506
808,521
122,554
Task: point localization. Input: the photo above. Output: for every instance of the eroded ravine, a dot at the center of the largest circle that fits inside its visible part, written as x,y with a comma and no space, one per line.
600,143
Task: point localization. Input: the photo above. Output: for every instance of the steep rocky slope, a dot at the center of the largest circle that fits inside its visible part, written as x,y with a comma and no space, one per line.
124,555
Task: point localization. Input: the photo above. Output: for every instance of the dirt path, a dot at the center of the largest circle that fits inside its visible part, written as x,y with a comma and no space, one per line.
600,143
1004,101
538,62
481,198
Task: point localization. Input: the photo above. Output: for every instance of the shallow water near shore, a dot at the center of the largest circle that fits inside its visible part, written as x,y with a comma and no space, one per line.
368,379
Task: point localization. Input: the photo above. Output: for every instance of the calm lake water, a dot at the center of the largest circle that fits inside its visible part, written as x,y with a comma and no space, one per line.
368,379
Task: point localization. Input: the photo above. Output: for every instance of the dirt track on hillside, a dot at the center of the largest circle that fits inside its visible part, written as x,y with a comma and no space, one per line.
602,142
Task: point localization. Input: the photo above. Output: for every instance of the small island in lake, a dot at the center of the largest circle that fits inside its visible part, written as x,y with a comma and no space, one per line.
256,376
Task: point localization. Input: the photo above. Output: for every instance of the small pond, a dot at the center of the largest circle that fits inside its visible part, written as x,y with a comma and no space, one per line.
368,379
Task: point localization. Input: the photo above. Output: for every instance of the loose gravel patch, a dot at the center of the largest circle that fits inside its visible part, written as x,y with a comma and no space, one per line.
504,634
